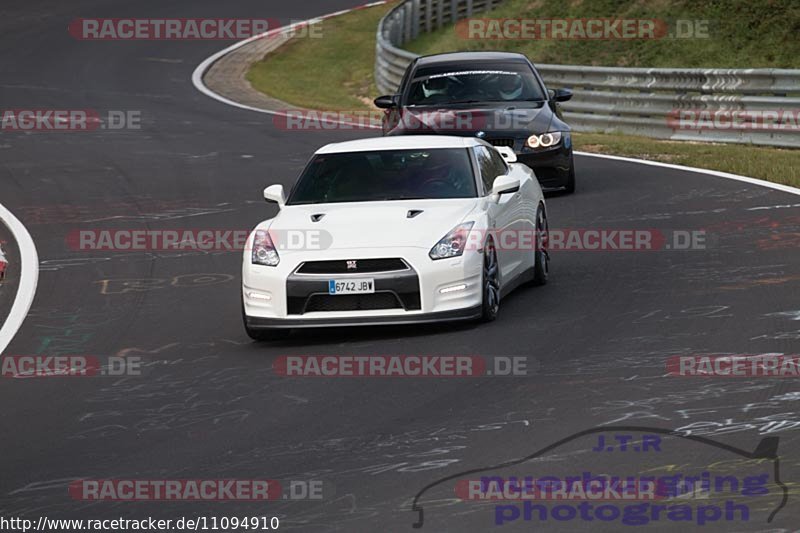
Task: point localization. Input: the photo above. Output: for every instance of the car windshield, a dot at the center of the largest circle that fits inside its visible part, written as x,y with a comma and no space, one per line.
474,82
386,175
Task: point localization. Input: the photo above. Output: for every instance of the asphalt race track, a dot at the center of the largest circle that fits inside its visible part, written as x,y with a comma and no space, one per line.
210,405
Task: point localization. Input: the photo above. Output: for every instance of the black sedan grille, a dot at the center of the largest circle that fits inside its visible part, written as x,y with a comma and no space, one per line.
362,266
501,142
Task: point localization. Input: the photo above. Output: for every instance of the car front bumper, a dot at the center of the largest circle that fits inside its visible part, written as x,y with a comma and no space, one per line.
552,167
470,313
280,297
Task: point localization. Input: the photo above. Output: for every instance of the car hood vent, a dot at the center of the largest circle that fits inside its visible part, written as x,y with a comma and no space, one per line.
413,213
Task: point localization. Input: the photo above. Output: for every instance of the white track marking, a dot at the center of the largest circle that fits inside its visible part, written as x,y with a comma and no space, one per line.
717,173
28,278
197,75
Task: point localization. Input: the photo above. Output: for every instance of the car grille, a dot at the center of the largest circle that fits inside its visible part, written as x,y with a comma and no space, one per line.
396,286
501,142
352,302
363,266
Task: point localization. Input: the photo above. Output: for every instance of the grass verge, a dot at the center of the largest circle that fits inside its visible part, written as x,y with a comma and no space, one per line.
722,34
332,72
771,164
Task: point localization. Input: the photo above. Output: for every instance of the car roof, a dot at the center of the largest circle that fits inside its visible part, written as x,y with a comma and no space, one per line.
456,57
401,142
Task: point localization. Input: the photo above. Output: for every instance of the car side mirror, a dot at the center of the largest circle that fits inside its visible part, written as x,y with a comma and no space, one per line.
504,185
386,101
561,95
508,153
274,193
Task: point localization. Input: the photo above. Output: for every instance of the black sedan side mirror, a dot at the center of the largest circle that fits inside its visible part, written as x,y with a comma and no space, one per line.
561,95
386,102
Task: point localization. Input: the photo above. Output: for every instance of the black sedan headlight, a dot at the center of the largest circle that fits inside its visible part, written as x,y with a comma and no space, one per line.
545,140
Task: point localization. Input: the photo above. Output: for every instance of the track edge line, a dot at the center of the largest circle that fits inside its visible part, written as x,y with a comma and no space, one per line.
28,278
718,173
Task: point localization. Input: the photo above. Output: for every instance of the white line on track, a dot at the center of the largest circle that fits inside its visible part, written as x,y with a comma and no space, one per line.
28,278
717,173
197,75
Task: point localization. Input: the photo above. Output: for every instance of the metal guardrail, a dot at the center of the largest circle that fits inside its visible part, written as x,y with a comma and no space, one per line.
665,103
405,22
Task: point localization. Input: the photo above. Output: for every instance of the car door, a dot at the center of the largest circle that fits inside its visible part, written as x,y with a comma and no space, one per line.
503,215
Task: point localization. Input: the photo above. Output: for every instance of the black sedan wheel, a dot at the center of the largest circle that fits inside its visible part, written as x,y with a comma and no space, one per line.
569,188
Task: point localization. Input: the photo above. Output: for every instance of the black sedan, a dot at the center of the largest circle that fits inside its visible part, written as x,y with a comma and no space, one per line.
497,96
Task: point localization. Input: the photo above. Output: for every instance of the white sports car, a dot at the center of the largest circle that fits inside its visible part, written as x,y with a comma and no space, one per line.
395,230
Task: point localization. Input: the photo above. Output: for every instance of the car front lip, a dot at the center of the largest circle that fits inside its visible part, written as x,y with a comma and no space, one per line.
469,313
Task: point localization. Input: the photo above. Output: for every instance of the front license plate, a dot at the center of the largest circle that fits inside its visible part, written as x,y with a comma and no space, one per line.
351,286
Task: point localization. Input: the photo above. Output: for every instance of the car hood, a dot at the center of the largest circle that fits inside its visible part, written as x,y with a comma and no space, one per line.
391,224
467,121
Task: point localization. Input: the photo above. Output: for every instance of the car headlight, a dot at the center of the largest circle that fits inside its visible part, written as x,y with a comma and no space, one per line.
545,140
264,252
452,244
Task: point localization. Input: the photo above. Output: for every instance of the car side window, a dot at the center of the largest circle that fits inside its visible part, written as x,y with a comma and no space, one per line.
491,165
401,89
486,167
500,164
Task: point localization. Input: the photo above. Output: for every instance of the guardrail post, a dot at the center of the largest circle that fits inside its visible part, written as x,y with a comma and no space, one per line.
428,16
453,10
397,29
407,10
415,19
470,8
439,14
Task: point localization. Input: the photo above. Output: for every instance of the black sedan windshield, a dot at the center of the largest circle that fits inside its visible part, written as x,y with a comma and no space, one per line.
386,175
474,82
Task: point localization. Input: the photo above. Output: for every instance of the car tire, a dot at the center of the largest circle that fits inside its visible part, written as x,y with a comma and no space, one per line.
541,264
569,188
264,334
490,283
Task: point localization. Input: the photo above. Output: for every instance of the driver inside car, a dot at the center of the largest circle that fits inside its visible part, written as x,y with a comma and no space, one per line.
510,87
435,89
